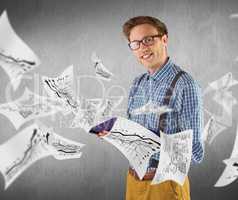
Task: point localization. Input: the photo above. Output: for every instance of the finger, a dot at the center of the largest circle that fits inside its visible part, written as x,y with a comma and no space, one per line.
100,134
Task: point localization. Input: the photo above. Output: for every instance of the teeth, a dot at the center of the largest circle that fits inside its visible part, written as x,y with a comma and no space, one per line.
146,56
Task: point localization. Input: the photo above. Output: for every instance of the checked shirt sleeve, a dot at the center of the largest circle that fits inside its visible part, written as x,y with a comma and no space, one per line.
191,117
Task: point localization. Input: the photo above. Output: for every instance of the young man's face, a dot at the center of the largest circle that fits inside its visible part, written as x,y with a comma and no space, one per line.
152,56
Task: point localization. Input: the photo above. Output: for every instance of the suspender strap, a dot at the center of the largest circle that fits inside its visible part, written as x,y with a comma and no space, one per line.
166,100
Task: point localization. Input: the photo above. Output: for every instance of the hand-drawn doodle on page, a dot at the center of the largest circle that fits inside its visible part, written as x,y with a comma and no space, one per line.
135,142
230,173
30,145
222,84
150,107
109,105
16,58
96,102
62,148
101,71
212,129
105,106
61,88
92,114
175,157
86,116
29,106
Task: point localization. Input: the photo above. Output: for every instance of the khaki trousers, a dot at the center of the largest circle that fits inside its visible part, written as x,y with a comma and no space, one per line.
169,190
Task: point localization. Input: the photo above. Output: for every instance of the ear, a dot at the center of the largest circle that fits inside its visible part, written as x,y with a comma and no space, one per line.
164,39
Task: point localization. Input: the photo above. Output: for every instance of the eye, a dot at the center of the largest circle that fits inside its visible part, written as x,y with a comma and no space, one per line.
148,40
134,45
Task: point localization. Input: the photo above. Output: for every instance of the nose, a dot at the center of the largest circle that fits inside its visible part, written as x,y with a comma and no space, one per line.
142,46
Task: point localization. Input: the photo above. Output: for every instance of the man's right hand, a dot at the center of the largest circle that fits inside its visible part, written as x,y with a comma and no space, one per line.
103,133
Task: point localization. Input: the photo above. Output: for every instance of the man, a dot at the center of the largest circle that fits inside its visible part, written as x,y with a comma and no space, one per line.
163,83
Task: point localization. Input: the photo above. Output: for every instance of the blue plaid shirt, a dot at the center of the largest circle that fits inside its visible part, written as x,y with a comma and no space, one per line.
186,103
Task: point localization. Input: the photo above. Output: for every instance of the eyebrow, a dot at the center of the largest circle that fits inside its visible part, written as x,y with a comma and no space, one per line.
141,39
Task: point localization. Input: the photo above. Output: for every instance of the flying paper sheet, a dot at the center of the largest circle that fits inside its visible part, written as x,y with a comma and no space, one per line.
150,107
85,118
29,106
16,58
230,173
60,147
226,100
108,107
61,88
233,16
92,114
101,71
96,103
224,118
222,84
135,142
175,157
30,145
212,129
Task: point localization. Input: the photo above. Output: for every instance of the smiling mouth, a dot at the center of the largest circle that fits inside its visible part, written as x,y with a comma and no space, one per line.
146,56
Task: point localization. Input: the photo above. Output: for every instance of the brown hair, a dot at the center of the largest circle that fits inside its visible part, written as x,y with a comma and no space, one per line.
131,23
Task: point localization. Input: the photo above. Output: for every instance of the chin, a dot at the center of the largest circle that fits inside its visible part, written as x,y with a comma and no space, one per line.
147,65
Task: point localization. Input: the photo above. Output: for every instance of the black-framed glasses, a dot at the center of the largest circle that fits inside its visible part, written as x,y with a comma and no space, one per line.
147,41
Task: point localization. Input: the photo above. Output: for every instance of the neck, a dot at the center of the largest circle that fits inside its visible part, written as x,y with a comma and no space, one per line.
158,66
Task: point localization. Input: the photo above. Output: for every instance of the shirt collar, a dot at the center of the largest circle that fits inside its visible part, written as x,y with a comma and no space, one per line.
161,71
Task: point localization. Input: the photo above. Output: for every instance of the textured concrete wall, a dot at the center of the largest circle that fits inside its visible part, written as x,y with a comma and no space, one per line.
202,39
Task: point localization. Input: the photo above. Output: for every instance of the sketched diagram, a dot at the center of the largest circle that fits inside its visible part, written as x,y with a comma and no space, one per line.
61,88
135,142
108,106
33,143
230,173
29,106
85,116
101,71
92,113
16,58
212,129
175,157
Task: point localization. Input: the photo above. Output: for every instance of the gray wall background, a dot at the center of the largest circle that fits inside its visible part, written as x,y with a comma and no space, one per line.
202,39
